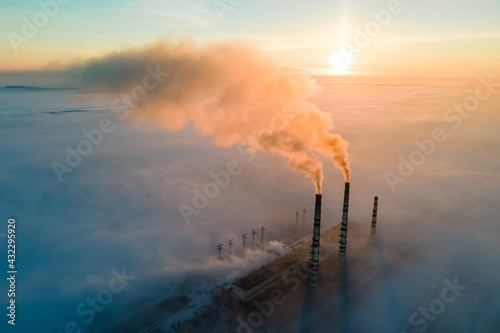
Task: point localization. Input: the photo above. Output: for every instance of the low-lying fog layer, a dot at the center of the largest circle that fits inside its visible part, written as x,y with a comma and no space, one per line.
432,160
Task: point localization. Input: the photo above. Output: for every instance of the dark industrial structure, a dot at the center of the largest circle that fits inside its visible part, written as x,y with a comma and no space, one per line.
313,278
374,214
343,229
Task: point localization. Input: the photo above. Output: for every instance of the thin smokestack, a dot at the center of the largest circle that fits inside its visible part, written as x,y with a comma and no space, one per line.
374,215
313,276
345,213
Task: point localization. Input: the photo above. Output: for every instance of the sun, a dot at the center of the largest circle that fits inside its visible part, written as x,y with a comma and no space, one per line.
341,62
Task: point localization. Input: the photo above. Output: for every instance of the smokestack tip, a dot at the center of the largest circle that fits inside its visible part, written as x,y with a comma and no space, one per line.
347,189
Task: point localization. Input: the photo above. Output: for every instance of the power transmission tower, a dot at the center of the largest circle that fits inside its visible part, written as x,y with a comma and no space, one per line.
244,237
304,219
297,221
219,247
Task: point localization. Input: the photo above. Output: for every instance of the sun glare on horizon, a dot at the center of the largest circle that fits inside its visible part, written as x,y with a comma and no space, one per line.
341,62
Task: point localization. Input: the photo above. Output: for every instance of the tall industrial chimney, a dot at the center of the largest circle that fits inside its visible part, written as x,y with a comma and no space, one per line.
313,276
374,215
343,229
374,221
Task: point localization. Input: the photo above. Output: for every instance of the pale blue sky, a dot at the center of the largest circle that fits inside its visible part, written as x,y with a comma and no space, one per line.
89,28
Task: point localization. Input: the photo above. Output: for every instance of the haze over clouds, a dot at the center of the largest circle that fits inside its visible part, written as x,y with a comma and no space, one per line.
243,89
131,185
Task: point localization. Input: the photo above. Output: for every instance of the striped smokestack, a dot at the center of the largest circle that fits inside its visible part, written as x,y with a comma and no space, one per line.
374,215
343,229
313,276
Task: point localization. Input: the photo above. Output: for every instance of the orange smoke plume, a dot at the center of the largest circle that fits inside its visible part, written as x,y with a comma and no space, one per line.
231,91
